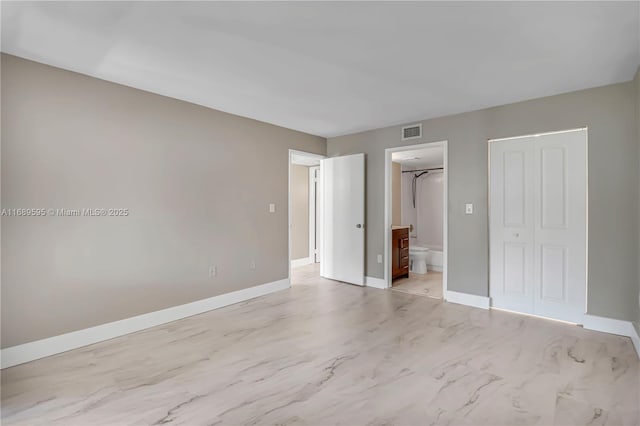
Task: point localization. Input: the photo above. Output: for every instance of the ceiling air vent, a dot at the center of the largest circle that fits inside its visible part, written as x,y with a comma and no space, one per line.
412,132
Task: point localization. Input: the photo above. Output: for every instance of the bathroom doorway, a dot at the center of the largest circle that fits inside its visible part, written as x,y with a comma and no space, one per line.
304,216
416,219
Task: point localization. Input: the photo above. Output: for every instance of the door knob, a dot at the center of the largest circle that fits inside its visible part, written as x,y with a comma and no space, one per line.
358,225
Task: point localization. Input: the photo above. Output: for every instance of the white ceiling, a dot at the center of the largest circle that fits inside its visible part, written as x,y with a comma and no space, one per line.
421,158
332,68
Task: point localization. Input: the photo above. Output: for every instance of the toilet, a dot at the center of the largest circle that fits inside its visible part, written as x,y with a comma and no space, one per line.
418,259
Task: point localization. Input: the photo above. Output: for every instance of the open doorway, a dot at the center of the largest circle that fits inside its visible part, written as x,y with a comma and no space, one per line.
304,216
416,219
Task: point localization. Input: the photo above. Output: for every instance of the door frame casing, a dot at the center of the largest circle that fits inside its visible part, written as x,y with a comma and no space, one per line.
586,177
314,222
289,163
388,154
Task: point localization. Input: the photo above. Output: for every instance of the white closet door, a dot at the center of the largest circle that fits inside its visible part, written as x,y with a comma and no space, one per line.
511,225
560,255
538,224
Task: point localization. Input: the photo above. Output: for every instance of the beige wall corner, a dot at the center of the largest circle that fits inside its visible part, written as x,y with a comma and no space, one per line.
197,184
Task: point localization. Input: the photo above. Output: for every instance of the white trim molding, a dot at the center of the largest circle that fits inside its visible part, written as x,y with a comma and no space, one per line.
375,282
613,326
635,339
54,345
476,301
314,206
301,262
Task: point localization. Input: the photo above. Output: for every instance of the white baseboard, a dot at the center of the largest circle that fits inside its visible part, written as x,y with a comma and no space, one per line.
375,282
436,268
301,262
613,326
635,339
54,345
467,299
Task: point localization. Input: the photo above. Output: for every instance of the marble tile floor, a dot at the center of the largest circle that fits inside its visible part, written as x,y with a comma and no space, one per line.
429,284
324,353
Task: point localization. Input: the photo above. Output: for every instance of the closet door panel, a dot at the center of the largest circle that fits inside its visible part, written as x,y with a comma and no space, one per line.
511,226
560,225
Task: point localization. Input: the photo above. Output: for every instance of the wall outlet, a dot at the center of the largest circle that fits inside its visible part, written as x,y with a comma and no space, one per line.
213,271
468,208
252,265
379,258
272,207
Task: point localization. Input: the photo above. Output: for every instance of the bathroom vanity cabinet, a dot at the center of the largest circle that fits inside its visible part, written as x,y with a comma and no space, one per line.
400,252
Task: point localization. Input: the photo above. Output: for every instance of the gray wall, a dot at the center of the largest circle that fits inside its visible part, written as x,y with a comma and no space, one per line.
637,85
609,112
299,211
197,183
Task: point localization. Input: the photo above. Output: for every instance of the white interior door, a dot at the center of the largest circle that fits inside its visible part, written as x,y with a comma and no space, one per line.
342,203
538,224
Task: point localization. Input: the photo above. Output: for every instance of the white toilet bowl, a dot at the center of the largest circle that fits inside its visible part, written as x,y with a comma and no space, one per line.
418,259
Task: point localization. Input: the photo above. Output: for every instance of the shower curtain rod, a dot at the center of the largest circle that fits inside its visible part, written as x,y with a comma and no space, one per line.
418,173
422,170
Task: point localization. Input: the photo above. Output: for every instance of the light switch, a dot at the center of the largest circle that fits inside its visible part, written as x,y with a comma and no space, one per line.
379,258
272,207
468,209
